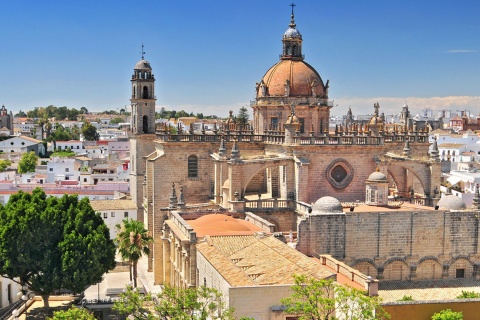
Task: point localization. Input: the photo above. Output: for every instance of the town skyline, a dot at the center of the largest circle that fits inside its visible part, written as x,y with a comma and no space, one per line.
207,57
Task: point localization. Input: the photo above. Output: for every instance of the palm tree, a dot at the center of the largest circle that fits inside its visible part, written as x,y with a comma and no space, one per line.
132,241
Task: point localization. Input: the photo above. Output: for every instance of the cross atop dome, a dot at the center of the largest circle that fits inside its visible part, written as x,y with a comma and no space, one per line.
143,53
292,22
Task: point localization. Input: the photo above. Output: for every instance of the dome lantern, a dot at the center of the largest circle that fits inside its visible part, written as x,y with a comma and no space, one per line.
376,191
292,41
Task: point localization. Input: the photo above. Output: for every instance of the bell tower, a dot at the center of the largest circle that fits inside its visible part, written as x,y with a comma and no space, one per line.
142,127
143,98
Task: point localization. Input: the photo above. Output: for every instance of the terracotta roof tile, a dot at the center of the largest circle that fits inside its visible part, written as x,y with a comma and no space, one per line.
258,260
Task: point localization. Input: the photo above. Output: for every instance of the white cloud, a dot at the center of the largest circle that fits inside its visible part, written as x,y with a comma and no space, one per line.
461,51
388,105
393,105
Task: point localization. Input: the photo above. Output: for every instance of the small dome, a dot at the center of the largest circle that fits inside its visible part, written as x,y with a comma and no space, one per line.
292,33
327,205
377,176
376,120
142,65
451,202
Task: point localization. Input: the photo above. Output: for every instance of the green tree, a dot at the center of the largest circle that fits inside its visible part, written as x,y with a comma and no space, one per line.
117,120
20,114
200,303
4,164
314,299
49,243
243,116
132,241
83,110
28,162
73,114
72,313
61,113
89,132
75,132
447,315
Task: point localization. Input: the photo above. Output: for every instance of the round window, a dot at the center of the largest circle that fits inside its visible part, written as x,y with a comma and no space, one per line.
339,173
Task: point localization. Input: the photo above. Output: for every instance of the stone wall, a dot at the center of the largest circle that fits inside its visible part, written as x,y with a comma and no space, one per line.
397,245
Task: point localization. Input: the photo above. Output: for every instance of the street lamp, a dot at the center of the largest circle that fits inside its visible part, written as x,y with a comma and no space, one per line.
15,313
24,296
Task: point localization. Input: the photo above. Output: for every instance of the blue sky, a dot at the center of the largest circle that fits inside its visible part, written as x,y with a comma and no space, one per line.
208,55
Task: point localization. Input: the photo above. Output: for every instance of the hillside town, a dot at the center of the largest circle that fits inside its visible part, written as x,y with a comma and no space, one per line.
386,204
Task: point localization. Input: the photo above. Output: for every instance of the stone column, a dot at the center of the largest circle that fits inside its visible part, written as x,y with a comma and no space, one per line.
165,278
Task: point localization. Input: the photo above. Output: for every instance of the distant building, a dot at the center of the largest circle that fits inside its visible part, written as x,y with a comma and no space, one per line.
6,120
22,144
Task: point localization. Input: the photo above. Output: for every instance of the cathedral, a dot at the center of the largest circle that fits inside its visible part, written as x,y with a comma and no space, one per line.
359,186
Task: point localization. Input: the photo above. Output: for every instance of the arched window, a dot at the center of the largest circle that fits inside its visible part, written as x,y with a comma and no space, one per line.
145,93
145,124
192,166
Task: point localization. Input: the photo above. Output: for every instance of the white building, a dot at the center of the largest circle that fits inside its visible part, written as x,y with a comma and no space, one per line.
114,211
8,292
74,145
62,169
21,144
111,134
120,148
94,152
464,184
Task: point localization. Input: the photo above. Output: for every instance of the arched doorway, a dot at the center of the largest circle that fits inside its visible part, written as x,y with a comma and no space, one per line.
145,93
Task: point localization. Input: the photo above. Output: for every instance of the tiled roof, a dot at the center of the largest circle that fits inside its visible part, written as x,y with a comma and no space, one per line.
258,260
101,205
451,145
438,289
30,139
221,224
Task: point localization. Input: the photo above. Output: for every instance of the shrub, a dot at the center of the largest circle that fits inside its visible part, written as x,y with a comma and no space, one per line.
469,295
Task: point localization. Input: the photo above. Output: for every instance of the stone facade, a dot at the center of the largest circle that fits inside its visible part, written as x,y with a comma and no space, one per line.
401,244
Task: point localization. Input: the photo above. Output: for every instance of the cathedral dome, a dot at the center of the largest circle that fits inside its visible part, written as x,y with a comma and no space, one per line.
301,76
327,205
292,33
142,65
451,202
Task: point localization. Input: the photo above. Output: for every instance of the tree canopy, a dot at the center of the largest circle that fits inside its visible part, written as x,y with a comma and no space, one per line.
132,240
89,132
242,117
447,315
51,243
314,299
200,303
72,313
4,164
28,162
59,113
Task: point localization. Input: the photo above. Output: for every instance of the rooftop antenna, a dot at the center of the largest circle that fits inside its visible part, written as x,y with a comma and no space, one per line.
143,53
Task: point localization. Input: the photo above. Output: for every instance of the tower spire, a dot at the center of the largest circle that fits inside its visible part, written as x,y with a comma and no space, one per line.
143,53
292,22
